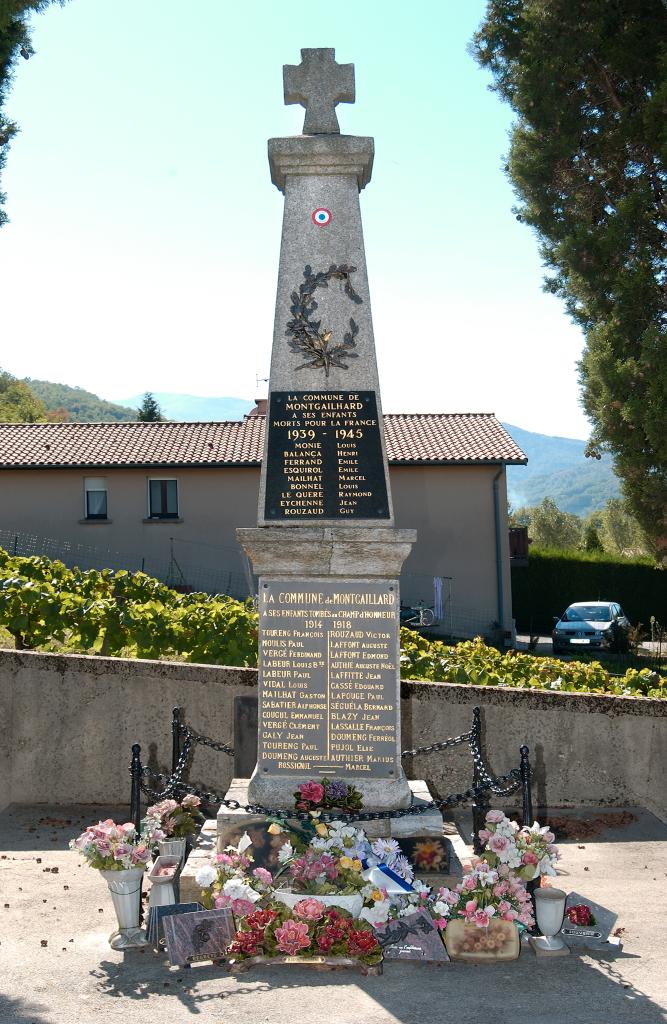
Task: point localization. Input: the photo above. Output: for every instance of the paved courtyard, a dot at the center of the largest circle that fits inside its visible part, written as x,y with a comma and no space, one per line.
56,966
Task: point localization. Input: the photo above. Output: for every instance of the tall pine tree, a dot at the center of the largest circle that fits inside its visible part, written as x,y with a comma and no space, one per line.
149,411
588,161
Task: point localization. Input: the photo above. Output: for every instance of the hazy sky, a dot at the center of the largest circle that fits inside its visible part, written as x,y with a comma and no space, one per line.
143,244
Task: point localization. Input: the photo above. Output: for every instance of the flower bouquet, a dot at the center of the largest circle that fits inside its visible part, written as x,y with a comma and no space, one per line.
170,819
308,929
525,852
480,915
121,858
229,881
326,795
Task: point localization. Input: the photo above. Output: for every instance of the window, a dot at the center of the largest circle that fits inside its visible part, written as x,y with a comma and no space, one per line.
95,489
163,499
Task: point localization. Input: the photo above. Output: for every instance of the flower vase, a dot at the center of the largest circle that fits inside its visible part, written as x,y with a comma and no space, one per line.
125,889
173,848
496,943
353,902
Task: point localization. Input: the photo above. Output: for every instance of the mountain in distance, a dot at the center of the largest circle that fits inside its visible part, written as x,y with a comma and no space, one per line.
194,408
82,406
557,468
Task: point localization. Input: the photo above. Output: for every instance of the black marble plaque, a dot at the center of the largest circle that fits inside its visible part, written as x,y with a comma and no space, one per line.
324,457
328,678
413,937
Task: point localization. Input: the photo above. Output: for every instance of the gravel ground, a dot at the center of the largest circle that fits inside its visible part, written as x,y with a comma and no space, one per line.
56,966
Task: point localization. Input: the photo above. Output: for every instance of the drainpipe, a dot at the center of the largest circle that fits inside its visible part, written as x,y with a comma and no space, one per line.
499,561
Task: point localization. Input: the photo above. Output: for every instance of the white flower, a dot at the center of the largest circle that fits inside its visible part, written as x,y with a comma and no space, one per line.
377,914
285,853
420,887
206,876
440,908
318,843
385,849
404,911
238,890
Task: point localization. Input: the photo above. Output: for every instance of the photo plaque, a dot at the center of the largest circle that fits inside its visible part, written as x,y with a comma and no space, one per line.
324,457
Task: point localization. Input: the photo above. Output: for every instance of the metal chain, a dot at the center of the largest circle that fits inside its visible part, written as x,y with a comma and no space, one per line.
206,741
173,781
453,741
494,783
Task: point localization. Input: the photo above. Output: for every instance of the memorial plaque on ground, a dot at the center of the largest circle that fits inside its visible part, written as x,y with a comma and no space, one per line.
324,457
328,678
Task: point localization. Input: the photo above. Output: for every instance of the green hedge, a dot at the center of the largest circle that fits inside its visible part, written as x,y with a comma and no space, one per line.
554,579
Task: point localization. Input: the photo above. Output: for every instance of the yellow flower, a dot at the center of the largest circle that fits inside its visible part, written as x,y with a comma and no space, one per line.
314,814
322,830
275,829
356,864
346,863
377,895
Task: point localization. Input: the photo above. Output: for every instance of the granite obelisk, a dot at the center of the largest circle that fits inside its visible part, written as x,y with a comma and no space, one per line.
326,550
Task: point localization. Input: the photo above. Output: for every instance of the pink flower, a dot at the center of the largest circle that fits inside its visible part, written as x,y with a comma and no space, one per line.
440,922
470,910
498,843
263,875
292,936
312,791
127,828
241,908
190,801
525,917
549,837
529,858
141,854
469,883
503,907
222,901
310,909
122,850
509,915
484,835
223,858
103,846
501,888
482,917
495,817
452,898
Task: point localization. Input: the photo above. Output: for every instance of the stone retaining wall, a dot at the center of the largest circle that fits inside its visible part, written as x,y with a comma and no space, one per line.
67,724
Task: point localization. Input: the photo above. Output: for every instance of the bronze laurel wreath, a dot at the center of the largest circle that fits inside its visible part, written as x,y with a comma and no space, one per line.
305,336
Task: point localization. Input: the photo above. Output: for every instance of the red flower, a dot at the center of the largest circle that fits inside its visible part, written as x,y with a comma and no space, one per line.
581,915
260,918
361,942
312,791
325,941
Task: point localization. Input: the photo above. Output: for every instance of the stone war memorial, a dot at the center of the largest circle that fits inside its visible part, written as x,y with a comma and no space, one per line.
327,854
325,549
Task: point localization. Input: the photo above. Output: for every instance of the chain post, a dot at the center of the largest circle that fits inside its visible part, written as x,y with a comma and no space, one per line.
481,802
175,738
135,791
526,788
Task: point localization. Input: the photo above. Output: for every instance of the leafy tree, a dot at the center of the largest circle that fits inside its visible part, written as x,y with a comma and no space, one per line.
548,527
17,402
149,411
588,159
14,43
620,532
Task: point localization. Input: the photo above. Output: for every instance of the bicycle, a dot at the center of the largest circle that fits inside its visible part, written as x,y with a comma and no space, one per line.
424,616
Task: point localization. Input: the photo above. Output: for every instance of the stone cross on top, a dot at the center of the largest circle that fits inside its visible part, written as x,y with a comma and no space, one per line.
318,83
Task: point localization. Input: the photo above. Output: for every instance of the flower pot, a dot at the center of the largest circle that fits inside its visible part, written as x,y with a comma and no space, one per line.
352,903
173,848
125,889
498,942
162,892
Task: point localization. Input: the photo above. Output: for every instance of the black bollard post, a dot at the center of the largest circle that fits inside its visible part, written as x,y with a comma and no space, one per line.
135,792
526,787
175,738
481,802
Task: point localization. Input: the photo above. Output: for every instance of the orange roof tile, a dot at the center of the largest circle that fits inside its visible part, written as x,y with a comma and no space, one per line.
411,438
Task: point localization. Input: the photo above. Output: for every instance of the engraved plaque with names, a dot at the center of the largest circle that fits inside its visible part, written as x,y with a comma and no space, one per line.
324,457
329,678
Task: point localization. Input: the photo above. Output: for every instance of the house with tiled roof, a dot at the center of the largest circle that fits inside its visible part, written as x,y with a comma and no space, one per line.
168,497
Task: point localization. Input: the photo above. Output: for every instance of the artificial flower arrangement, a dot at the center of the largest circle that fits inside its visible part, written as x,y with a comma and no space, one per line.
171,819
108,846
327,794
309,928
526,852
581,915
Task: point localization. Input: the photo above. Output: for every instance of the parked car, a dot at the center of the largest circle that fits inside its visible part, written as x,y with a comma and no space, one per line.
591,624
